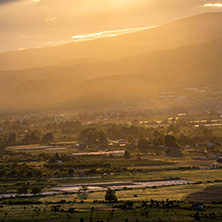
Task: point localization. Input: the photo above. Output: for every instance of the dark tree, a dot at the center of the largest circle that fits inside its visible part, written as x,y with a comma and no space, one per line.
48,137
12,138
52,160
130,140
70,171
92,136
102,138
170,141
143,144
173,128
89,136
111,195
127,154
31,138
36,190
57,156
158,135
22,190
29,174
156,142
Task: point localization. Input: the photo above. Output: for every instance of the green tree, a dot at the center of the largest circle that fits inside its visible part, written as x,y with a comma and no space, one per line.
111,195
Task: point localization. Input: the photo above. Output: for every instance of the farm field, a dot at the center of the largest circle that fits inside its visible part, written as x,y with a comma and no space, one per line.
110,111
202,184
105,212
46,182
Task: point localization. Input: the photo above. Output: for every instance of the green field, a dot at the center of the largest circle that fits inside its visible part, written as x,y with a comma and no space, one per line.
99,169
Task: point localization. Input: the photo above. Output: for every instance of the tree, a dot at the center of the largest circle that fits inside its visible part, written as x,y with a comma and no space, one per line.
82,192
184,139
36,190
70,171
31,138
48,137
111,195
89,136
173,128
127,154
12,138
29,174
170,141
143,144
130,141
92,136
22,190
52,160
135,122
102,138
158,135
156,142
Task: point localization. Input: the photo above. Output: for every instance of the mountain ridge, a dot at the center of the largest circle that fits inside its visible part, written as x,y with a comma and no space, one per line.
139,76
186,31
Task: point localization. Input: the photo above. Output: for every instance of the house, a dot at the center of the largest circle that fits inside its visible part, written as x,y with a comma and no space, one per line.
197,206
214,165
217,156
80,146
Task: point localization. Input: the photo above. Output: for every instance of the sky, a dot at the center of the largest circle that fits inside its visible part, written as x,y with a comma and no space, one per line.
42,23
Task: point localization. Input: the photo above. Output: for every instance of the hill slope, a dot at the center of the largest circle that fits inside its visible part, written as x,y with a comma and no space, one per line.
189,31
101,83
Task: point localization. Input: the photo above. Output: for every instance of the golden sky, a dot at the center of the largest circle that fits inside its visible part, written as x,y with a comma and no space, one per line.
40,23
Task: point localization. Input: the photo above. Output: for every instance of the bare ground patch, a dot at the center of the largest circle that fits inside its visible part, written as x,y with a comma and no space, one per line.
209,194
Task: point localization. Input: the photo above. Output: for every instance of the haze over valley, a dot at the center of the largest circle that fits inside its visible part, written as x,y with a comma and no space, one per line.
110,110
97,72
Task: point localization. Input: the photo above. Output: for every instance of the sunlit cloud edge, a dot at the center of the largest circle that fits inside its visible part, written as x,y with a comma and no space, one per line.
214,5
106,34
90,37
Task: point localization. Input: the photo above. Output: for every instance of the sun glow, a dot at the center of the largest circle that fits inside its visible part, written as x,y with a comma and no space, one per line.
216,5
105,34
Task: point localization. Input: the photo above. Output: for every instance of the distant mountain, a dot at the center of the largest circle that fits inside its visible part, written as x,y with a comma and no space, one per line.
189,31
90,84
148,75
